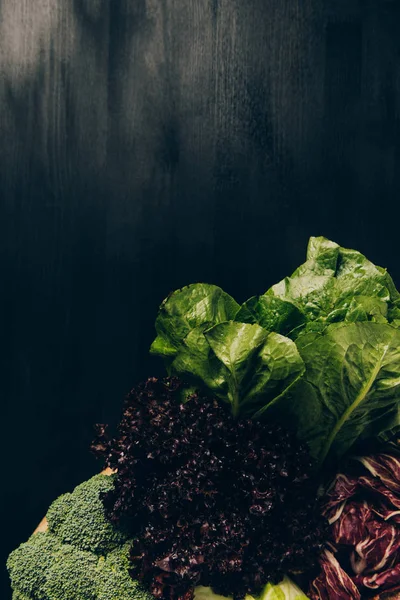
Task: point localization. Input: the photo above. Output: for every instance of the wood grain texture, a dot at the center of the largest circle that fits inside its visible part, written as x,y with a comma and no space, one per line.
145,145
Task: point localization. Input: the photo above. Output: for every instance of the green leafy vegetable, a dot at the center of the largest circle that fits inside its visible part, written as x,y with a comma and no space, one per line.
285,590
337,284
353,377
366,308
241,363
317,351
274,314
197,305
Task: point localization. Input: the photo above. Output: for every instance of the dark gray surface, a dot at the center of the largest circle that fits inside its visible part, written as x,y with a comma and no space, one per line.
148,144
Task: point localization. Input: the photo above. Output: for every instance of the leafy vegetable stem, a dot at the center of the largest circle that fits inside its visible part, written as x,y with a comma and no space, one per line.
360,398
235,403
234,388
267,407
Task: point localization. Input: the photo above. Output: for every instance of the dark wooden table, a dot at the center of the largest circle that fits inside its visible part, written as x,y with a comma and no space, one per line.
147,144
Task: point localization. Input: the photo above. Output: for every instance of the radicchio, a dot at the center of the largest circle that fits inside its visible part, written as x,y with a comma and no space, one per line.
333,583
363,509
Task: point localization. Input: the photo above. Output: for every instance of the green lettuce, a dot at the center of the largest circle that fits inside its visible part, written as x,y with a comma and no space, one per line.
242,364
272,313
351,386
197,305
336,284
319,351
285,590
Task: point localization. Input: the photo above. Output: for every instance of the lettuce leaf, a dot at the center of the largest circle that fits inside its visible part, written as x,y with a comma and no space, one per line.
336,284
272,313
240,363
196,305
285,590
351,384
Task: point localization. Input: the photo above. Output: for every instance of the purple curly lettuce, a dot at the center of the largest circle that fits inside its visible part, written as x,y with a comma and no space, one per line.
363,510
211,500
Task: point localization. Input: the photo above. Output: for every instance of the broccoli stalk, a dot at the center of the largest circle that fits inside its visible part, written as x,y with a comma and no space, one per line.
81,556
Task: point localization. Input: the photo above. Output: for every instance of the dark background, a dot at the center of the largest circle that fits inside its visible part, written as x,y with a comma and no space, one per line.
147,144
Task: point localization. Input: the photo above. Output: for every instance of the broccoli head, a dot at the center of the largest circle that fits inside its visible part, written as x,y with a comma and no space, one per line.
79,519
20,596
81,556
116,583
28,565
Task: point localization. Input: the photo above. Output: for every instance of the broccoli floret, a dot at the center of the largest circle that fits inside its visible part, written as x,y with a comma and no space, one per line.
79,519
20,596
58,512
28,564
81,556
116,584
72,575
